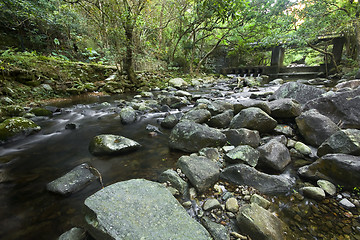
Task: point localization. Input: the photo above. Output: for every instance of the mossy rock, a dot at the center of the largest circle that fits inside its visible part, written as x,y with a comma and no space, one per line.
41,112
18,125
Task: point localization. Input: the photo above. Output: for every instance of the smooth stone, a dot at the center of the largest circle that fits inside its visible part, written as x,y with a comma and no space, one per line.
178,83
139,209
197,116
219,106
284,108
346,203
16,126
263,105
314,193
127,115
169,121
327,186
106,144
73,181
232,205
73,234
221,120
211,204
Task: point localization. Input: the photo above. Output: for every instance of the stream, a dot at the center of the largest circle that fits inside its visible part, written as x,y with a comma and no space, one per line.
29,211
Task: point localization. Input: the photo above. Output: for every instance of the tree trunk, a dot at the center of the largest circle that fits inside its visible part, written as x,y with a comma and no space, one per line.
128,61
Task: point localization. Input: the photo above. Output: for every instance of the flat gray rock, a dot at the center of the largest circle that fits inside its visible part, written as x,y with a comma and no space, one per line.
201,171
139,209
243,154
197,115
107,144
242,174
274,155
73,181
188,136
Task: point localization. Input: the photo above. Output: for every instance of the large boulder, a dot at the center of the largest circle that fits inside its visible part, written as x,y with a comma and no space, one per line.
197,115
253,118
344,141
285,108
73,181
300,92
106,144
127,115
201,171
139,209
274,155
243,136
178,83
13,127
191,137
243,154
340,169
259,223
242,174
341,108
221,120
315,127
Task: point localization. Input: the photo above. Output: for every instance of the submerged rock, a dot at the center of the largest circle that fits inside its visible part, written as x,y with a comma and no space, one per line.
258,223
73,181
13,127
191,137
344,141
112,144
242,174
255,119
300,92
201,171
315,127
139,209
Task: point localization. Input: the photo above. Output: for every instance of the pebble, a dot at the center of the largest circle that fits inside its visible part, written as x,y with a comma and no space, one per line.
232,205
346,203
327,186
187,204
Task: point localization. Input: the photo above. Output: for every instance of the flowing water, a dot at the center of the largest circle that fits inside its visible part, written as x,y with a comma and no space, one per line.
27,210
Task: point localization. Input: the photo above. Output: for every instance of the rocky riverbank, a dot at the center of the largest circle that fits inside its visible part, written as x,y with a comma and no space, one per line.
280,164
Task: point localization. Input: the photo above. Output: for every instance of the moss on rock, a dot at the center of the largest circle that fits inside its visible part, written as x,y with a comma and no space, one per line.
18,125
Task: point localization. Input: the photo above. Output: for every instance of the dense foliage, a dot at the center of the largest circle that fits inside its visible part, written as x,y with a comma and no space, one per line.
189,35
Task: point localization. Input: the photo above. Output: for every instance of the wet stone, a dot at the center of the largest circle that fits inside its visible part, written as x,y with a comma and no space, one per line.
327,186
211,204
106,144
314,193
232,205
73,181
346,203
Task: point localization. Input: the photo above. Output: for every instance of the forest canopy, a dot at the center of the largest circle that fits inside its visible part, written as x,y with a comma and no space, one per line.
189,35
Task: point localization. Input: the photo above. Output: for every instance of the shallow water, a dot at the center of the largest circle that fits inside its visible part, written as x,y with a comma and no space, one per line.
27,210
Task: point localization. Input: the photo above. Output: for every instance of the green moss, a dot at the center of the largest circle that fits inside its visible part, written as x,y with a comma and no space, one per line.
41,112
18,125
